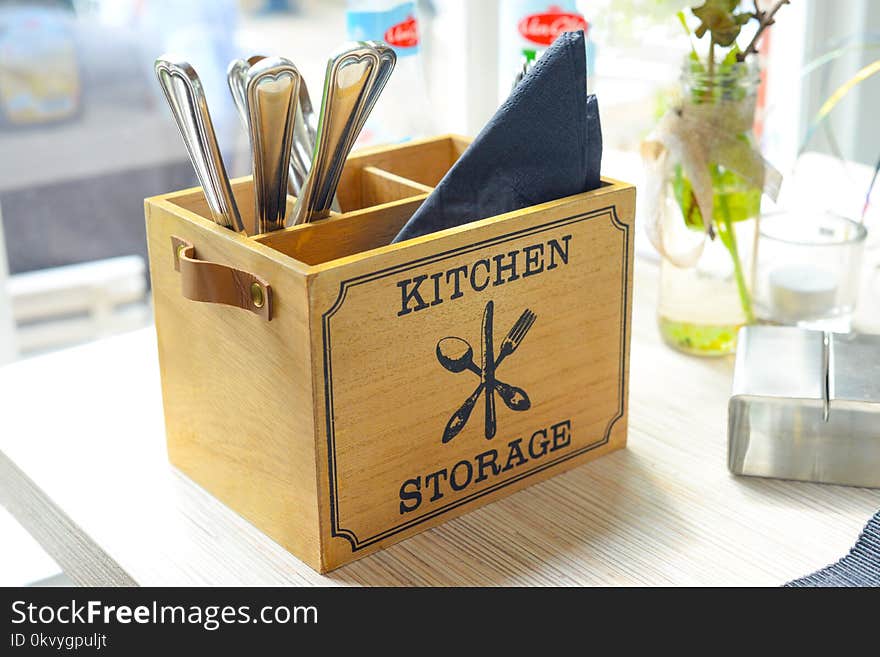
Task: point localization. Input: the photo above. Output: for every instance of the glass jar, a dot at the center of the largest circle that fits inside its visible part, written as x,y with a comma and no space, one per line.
703,303
808,268
699,309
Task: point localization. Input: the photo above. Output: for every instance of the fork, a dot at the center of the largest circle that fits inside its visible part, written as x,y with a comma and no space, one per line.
515,336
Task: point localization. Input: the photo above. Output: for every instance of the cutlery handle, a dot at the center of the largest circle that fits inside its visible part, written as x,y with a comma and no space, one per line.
460,417
513,397
383,71
300,154
186,97
304,135
355,78
488,374
235,78
490,414
345,87
272,96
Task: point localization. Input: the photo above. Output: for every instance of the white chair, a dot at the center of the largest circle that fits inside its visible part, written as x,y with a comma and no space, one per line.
63,306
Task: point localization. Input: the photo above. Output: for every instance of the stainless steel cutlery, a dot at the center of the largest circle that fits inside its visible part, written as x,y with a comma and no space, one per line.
186,97
345,88
272,94
235,78
292,147
305,136
356,75
305,126
387,62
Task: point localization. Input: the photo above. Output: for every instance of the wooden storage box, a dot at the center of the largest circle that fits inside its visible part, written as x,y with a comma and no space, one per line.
330,408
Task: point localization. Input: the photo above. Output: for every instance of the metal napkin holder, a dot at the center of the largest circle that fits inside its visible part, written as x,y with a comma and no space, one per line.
806,406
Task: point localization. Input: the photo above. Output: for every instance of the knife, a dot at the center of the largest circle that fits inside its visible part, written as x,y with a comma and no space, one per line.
186,97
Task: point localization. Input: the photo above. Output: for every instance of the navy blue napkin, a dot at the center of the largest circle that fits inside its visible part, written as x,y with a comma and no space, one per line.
861,567
543,143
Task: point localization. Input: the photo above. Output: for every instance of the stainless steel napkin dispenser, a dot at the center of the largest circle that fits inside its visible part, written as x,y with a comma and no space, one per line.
806,406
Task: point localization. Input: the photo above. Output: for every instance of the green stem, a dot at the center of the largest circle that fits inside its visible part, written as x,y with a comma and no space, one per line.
728,238
726,229
687,30
711,67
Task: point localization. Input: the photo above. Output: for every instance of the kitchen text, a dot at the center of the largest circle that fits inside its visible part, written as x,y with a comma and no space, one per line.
427,290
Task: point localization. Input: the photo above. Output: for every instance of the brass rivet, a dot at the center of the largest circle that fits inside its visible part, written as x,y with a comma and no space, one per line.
257,295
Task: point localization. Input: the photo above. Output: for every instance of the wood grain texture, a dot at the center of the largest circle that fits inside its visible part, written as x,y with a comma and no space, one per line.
349,372
423,161
379,186
343,235
236,388
91,482
362,186
390,398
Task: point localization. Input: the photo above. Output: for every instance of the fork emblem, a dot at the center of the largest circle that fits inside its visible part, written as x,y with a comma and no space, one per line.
456,355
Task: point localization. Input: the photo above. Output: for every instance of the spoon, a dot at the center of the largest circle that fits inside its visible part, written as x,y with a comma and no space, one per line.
186,97
272,88
457,355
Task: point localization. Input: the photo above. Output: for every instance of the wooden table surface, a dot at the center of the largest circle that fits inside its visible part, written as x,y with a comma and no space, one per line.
83,468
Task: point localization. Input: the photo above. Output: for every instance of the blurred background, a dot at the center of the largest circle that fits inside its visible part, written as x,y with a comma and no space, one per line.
85,135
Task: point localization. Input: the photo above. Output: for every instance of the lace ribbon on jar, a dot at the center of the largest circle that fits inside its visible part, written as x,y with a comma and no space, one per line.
697,136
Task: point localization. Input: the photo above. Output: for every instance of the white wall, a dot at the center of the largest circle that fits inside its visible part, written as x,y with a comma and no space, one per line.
854,120
461,48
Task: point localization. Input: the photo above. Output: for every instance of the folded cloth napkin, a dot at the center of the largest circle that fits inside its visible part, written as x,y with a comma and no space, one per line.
861,567
543,143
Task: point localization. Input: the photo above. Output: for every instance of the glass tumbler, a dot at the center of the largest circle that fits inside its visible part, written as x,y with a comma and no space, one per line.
806,269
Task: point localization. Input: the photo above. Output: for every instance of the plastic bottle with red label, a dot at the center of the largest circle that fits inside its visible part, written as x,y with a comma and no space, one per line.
528,27
402,111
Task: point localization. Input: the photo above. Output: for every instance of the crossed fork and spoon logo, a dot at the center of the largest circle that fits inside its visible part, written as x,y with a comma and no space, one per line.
457,355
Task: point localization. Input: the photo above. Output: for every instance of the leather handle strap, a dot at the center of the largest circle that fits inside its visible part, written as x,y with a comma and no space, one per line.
212,282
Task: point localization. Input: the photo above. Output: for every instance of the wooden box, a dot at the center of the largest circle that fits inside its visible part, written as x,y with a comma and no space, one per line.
343,405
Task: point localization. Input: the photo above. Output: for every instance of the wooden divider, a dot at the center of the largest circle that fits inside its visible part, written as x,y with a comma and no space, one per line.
379,190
